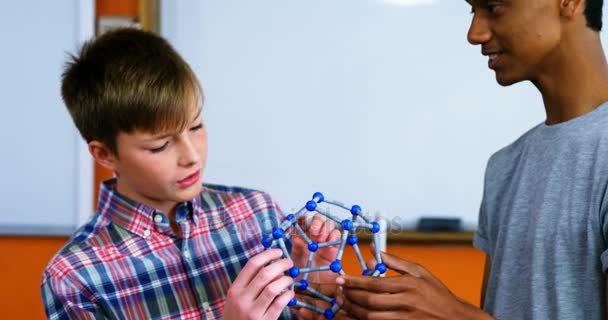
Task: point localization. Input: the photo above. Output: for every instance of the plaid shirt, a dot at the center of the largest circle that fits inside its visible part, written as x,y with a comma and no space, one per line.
127,263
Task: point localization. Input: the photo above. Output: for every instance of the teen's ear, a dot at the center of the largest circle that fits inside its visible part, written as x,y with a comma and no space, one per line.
569,8
102,155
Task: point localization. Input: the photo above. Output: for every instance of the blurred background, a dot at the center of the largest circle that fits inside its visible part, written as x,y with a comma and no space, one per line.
380,103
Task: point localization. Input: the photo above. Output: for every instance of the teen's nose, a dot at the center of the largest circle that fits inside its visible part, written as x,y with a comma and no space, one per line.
479,31
189,154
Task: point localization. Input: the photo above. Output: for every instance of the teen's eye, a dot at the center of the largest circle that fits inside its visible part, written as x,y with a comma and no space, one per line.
160,149
198,127
495,8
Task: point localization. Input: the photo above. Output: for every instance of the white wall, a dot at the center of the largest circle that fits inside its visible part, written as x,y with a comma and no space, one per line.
46,174
369,102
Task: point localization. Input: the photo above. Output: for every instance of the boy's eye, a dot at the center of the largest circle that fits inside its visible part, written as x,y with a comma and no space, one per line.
159,149
197,127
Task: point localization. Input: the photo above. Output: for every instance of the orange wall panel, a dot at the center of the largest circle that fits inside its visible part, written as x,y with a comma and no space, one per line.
22,261
460,267
124,8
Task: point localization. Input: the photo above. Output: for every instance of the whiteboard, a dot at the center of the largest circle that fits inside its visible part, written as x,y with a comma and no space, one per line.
377,103
47,174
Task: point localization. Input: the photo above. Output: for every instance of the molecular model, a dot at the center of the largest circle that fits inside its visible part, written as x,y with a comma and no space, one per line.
348,228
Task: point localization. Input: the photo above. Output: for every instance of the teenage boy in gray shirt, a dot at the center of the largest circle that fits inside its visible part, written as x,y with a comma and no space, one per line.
543,215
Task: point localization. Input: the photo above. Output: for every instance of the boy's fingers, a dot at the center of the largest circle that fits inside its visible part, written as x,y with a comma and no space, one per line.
327,289
272,291
316,225
335,235
275,309
377,284
253,266
314,301
306,314
371,264
267,275
326,228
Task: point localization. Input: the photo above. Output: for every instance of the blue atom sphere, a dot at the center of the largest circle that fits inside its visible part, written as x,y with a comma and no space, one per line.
303,284
294,272
347,225
355,210
292,302
311,205
366,272
381,267
318,195
375,227
335,266
277,233
266,242
329,314
313,246
352,240
290,217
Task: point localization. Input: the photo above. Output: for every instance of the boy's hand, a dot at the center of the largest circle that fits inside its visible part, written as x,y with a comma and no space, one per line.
330,290
320,230
260,291
415,294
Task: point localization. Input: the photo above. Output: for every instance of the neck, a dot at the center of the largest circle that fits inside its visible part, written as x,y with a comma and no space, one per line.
576,81
167,207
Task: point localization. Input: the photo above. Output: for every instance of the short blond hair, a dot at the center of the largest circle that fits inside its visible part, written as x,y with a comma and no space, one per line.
125,80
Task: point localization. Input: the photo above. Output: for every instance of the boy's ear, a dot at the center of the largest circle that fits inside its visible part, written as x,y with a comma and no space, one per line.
102,155
568,8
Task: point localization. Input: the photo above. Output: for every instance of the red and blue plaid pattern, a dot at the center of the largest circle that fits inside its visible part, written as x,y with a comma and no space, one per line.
127,263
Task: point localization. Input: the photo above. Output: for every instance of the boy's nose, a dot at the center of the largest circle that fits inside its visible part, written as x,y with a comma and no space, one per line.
189,154
479,31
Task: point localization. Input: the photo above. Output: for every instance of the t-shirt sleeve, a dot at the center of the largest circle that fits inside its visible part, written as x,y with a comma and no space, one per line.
604,225
480,240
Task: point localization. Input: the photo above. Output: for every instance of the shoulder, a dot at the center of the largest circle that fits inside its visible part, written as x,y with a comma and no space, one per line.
88,247
510,152
239,201
230,194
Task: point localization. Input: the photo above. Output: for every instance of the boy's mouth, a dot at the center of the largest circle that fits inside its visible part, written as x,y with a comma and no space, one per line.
190,180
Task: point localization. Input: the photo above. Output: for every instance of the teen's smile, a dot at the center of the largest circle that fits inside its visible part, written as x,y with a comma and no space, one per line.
493,57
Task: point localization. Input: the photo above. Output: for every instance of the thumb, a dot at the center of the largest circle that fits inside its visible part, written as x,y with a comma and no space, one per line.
402,266
371,264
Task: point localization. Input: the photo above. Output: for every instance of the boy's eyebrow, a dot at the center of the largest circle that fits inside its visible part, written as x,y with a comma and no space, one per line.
197,114
170,134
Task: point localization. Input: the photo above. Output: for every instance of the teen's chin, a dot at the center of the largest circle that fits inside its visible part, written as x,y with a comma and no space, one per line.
189,193
504,79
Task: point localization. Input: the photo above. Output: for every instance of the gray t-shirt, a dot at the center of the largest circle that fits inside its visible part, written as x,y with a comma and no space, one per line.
543,222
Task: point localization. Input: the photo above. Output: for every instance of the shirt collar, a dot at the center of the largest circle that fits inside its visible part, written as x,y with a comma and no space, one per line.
138,217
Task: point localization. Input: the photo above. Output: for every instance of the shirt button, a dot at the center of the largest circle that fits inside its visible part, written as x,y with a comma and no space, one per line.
158,218
146,233
187,254
206,306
